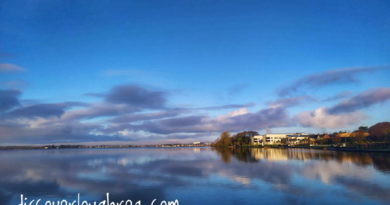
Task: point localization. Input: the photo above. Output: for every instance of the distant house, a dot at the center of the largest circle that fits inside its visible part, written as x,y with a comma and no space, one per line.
343,134
360,133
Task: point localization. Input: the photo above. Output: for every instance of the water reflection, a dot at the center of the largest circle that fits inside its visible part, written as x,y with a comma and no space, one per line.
380,161
198,176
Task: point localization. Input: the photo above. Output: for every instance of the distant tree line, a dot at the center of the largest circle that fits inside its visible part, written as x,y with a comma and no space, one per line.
376,135
239,139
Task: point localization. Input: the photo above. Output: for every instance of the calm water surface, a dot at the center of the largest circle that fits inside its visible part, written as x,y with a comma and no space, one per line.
197,176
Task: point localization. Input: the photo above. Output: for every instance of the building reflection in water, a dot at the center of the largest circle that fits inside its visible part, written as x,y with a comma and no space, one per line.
380,161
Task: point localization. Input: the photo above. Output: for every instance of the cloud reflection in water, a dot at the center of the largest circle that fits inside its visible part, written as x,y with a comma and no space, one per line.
197,176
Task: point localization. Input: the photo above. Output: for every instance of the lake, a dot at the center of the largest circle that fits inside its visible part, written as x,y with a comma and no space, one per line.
196,176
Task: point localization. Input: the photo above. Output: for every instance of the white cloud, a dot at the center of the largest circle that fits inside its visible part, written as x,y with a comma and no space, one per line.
8,67
241,111
321,118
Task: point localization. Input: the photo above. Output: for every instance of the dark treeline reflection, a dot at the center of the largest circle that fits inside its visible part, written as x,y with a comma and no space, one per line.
381,161
197,175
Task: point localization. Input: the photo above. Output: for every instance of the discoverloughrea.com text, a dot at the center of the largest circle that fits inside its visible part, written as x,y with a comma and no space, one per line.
77,201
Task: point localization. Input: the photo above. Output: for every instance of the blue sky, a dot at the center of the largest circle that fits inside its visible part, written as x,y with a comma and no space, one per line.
216,65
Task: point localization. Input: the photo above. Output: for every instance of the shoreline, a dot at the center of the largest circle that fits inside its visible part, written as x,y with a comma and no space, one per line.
51,147
329,148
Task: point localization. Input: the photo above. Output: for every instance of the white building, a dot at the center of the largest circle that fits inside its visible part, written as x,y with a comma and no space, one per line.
297,138
257,140
275,138
279,138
